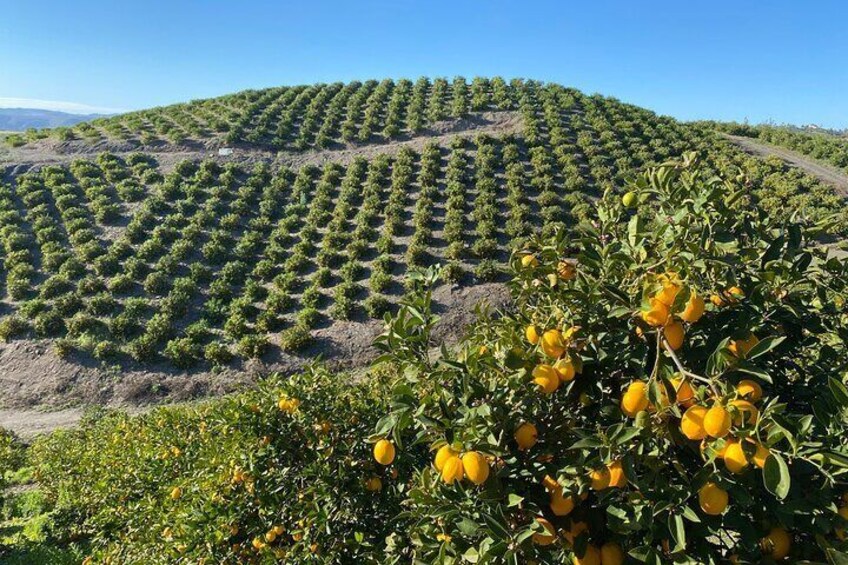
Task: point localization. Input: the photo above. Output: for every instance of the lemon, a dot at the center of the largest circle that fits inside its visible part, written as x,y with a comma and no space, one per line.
694,309
734,457
548,536
452,470
635,399
526,436
384,452
443,454
717,422
713,499
692,422
476,467
553,344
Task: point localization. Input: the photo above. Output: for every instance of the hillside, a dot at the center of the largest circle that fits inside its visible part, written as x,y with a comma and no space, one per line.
188,269
20,119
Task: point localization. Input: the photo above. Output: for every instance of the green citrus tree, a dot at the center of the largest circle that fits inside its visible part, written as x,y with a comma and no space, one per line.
667,388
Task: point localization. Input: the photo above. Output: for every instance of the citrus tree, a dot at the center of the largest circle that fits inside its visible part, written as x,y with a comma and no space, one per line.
668,387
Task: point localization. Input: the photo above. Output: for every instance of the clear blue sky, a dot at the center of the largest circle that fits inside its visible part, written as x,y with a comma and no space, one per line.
781,60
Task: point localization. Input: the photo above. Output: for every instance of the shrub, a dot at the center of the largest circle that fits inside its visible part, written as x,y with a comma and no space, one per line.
12,326
376,305
252,346
183,352
48,324
295,338
218,354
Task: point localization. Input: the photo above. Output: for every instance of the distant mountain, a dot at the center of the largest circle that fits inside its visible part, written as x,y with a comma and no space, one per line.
19,119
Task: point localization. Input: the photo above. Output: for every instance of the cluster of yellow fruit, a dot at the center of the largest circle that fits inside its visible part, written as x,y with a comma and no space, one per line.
711,426
453,465
660,312
561,348
287,404
609,553
271,536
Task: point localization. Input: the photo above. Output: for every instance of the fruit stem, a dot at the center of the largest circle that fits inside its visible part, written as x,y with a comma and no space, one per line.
683,371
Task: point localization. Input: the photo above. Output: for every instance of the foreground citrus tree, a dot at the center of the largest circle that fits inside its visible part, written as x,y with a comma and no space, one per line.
669,388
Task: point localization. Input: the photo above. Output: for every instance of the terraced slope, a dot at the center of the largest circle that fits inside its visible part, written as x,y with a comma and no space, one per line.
177,260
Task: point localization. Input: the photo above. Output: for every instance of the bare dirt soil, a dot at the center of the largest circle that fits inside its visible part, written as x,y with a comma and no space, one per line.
825,173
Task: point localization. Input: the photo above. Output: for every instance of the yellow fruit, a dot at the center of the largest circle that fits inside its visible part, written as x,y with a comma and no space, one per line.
574,531
257,543
176,493
551,483
674,334
548,537
476,467
657,315
616,475
600,478
374,484
734,457
384,452
685,393
669,291
843,512
566,270
741,347
526,436
546,378
734,294
717,421
717,300
635,399
443,454
629,199
279,530
694,309
761,455
271,535
453,470
611,554
749,389
745,411
286,404
532,334
592,556
561,505
565,370
529,261
553,344
776,543
713,499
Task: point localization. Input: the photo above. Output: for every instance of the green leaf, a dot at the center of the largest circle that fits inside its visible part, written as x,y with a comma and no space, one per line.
587,442
765,345
678,531
514,500
776,476
745,367
840,393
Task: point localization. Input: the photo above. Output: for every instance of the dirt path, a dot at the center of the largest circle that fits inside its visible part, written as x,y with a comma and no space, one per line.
825,173
18,160
30,423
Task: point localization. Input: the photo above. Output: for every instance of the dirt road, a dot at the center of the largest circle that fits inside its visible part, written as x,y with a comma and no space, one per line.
825,173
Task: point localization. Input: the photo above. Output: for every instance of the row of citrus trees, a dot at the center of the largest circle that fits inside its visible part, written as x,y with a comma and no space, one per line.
668,387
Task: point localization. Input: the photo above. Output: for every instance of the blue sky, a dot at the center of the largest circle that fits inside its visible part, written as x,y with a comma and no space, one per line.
785,61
